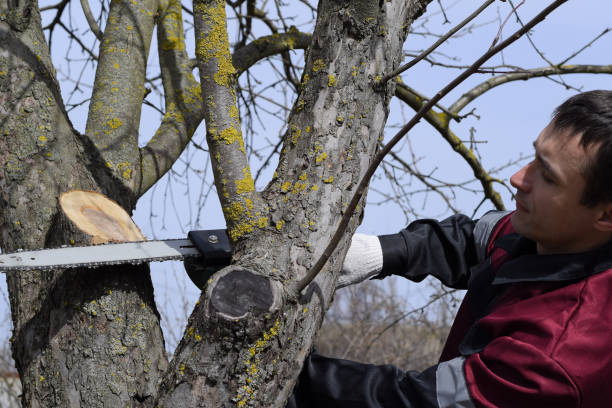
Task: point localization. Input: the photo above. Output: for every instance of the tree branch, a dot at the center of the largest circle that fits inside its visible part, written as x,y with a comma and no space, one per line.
604,32
440,41
182,98
440,122
242,206
423,180
78,40
491,83
93,25
263,47
116,102
332,133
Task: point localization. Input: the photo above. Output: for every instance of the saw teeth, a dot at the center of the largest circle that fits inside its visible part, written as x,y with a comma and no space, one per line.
96,264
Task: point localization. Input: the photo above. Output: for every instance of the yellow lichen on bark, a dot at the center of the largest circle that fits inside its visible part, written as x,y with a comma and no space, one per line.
174,26
215,43
331,80
246,184
318,65
248,389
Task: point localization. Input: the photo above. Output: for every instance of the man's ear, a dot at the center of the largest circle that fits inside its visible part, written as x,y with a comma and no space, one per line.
604,222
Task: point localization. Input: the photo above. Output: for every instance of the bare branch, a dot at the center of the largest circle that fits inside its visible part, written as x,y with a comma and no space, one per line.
182,98
93,25
78,40
440,41
61,6
242,206
434,299
604,32
491,83
116,102
535,47
440,122
423,180
182,91
58,5
263,47
501,26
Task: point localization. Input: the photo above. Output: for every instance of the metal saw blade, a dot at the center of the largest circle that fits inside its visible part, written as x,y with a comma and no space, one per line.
98,255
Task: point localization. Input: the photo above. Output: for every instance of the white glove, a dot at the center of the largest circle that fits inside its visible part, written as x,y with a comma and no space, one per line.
363,260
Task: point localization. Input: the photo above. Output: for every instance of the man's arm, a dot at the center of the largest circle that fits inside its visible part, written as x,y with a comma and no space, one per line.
444,249
507,373
329,382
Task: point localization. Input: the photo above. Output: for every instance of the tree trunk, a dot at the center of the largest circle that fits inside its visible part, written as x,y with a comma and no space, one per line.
250,331
86,338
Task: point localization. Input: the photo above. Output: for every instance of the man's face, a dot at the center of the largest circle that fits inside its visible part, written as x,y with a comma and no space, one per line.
549,190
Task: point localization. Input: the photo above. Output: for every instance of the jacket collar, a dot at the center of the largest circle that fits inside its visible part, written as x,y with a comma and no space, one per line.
525,265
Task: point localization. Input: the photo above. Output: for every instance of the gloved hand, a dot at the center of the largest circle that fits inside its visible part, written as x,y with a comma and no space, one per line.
363,260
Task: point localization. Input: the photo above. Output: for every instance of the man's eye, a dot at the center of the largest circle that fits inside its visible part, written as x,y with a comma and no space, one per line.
547,178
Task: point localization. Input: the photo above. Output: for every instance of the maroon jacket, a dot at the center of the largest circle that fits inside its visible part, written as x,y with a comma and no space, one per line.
532,331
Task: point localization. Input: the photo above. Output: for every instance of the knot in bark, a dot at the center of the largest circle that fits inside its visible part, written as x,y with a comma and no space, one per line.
240,292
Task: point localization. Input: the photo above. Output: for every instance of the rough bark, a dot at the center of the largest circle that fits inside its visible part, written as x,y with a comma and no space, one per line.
250,331
116,101
81,338
242,205
182,95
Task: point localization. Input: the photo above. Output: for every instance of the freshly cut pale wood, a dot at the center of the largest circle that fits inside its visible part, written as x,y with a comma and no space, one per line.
99,216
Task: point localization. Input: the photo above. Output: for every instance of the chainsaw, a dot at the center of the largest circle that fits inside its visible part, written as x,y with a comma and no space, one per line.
203,251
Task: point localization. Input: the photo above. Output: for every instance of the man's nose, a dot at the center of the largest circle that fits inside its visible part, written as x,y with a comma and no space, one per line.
521,180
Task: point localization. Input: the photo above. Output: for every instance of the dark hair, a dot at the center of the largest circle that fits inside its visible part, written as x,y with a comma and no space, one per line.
589,115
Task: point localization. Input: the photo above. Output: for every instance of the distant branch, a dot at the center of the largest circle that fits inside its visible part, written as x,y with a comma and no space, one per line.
78,40
491,83
263,47
439,42
423,179
604,32
440,122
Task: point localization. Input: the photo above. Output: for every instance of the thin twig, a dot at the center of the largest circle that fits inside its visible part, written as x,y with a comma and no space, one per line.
78,40
437,43
446,20
54,6
404,315
606,31
540,53
344,221
523,75
501,26
423,180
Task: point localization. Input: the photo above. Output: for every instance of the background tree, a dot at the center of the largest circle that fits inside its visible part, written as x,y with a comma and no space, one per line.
93,338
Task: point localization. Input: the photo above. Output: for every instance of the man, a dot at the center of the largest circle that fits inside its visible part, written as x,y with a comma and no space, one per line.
535,327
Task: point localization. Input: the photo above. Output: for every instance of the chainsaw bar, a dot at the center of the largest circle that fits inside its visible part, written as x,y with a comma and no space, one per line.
98,255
